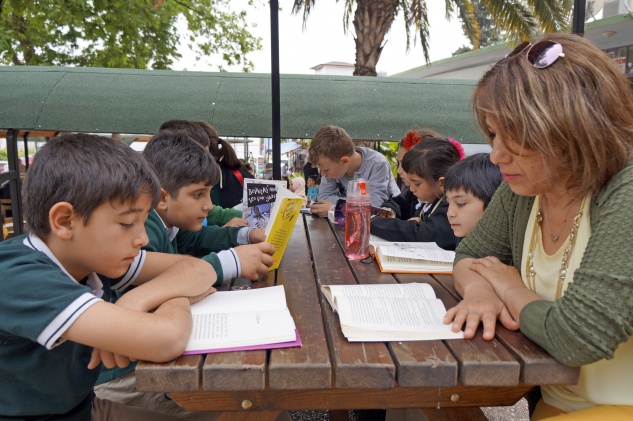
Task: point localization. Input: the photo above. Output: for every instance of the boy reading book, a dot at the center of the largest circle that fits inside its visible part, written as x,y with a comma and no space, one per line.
332,151
469,186
187,172
85,199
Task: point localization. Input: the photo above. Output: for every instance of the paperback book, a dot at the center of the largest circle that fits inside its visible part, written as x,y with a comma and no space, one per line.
242,320
411,257
389,312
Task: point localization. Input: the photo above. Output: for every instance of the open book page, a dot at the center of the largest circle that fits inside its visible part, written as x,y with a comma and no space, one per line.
422,251
366,316
236,319
282,221
412,290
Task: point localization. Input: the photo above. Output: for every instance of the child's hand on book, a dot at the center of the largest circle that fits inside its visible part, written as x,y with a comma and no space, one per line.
257,235
255,259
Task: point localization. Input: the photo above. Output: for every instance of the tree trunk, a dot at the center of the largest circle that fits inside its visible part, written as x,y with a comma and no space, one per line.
372,20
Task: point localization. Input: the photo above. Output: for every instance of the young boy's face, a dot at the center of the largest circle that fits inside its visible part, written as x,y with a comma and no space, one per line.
422,188
464,210
108,243
333,169
310,182
188,209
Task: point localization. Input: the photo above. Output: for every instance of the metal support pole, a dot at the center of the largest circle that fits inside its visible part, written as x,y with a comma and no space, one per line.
276,102
14,180
578,18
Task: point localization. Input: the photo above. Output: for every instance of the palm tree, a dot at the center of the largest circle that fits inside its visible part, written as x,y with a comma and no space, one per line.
521,19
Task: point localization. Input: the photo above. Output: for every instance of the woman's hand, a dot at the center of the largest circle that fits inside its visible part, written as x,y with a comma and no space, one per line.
482,308
502,277
480,304
506,282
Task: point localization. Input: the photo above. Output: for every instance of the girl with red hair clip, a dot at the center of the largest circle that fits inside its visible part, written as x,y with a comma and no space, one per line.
406,205
424,166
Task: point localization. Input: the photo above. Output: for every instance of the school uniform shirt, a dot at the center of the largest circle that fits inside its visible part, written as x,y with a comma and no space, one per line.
375,169
207,243
433,228
41,374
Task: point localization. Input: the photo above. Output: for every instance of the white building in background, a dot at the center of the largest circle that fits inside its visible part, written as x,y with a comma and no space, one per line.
337,68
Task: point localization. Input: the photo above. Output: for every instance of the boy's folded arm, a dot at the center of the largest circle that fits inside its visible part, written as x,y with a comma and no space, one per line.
158,336
167,276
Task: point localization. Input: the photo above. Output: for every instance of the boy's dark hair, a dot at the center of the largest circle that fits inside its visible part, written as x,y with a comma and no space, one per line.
331,142
221,150
179,161
85,171
475,175
313,177
430,159
189,128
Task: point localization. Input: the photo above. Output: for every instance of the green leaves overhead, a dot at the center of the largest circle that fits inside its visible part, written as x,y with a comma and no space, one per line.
123,33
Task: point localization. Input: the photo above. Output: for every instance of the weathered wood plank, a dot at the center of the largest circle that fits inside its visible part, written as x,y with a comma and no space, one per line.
537,366
341,399
307,367
179,375
356,365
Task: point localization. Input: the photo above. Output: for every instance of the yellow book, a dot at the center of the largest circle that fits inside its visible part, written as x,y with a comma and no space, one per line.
282,221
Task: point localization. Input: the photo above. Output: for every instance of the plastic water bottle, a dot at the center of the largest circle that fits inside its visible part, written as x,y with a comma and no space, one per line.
357,219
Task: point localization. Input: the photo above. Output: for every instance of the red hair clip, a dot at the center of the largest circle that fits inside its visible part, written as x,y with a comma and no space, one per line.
458,146
410,140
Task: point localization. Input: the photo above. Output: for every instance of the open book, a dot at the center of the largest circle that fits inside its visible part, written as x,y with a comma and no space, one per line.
283,217
389,312
410,257
242,320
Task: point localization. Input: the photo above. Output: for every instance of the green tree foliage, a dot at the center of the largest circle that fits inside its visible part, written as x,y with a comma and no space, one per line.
138,34
372,19
489,32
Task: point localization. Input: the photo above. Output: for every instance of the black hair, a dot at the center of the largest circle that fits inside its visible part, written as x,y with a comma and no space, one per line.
313,177
221,150
189,128
85,171
179,161
430,159
475,175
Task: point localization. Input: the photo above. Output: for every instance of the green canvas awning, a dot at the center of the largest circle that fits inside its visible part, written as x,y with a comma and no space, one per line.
100,100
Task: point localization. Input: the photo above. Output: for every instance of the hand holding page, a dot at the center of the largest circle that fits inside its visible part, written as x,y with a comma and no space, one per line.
241,320
389,312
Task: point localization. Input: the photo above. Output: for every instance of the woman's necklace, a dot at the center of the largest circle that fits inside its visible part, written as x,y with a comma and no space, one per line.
562,273
551,235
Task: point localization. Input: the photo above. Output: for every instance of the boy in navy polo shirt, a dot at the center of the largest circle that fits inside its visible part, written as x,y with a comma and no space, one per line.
85,200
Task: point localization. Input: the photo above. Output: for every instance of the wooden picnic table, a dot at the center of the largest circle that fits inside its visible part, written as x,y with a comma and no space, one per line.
447,379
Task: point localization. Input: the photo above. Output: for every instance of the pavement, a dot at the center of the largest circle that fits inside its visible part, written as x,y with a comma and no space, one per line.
517,412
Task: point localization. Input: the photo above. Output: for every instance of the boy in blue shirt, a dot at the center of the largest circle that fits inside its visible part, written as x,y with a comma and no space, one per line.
334,153
86,199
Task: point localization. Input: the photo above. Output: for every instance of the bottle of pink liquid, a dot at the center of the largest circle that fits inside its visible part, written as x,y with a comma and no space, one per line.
357,219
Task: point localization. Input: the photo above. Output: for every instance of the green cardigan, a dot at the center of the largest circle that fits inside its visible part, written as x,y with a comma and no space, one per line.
595,314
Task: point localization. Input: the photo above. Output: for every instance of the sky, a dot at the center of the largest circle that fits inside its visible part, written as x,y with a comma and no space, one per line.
324,40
